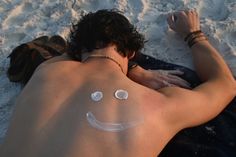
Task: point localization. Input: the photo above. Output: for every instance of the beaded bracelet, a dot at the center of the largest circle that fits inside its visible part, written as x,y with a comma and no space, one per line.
195,37
191,34
196,41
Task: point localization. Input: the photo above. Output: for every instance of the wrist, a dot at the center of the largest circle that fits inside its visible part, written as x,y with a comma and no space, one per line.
191,34
132,65
136,74
200,42
194,38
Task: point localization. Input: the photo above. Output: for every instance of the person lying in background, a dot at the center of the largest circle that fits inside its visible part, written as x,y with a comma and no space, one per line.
91,108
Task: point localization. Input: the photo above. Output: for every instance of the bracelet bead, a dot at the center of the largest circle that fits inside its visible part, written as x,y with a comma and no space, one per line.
195,37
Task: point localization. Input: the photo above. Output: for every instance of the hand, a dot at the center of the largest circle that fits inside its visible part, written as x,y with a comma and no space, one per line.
157,79
184,22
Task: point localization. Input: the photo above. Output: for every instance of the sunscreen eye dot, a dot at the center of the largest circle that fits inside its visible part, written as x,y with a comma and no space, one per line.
97,96
121,94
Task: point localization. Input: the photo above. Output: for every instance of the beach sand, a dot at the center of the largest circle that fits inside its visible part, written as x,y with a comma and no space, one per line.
24,20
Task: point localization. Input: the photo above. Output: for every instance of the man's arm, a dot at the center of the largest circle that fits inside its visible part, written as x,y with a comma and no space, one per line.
188,108
154,79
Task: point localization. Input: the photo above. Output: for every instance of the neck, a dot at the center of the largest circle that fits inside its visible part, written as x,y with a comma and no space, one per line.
106,57
110,54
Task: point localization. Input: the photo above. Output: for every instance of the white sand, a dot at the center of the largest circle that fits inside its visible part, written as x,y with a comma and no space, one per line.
23,20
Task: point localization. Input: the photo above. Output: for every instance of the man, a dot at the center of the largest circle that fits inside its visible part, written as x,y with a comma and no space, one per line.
91,108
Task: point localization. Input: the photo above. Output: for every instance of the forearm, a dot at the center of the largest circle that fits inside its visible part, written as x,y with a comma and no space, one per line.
208,62
136,74
212,70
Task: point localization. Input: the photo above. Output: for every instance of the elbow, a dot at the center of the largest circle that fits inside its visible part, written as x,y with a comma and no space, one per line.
233,88
230,86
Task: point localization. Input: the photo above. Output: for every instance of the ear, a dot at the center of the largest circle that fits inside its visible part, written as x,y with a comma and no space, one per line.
131,55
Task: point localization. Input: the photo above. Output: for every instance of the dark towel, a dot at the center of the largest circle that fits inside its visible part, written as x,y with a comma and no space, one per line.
216,138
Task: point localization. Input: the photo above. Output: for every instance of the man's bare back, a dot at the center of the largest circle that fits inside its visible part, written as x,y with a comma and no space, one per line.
55,114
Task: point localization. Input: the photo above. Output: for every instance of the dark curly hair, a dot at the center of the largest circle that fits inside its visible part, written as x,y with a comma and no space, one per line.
98,30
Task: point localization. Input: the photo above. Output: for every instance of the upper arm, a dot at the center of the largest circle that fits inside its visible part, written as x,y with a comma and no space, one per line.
186,108
63,57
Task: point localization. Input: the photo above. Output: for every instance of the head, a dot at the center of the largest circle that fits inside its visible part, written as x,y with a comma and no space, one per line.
104,28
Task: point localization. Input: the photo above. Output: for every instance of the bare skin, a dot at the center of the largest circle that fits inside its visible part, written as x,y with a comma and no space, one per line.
156,79
50,115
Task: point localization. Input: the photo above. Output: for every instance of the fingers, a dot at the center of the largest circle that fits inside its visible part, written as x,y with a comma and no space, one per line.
170,77
178,81
167,84
182,13
170,20
184,22
174,18
196,20
175,72
166,78
169,72
162,84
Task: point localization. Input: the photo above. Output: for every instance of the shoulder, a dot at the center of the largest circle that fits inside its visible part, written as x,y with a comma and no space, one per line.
58,62
187,108
174,108
151,100
157,114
